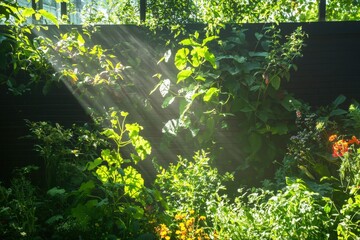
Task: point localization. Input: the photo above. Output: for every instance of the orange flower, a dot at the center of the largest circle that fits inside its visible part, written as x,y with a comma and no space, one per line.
340,148
332,137
354,140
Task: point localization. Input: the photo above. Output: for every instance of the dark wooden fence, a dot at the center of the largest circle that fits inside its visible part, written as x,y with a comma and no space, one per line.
330,67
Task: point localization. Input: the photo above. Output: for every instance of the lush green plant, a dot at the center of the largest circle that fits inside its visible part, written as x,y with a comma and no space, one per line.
349,216
125,196
65,150
111,12
162,13
24,55
220,80
19,205
191,190
309,151
292,213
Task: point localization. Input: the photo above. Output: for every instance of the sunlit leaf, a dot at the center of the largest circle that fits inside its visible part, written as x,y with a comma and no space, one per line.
28,12
210,93
184,74
164,87
181,58
167,55
168,101
210,57
49,16
171,127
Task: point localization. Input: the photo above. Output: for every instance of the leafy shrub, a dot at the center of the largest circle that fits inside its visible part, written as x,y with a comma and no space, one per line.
18,207
292,213
191,190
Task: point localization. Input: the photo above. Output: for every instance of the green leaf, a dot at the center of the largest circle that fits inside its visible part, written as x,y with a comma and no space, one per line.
168,101
210,93
275,82
184,74
86,187
49,16
54,219
339,100
94,164
164,87
56,191
181,58
81,42
133,182
28,12
210,57
190,42
209,39
167,55
337,112
171,127
110,133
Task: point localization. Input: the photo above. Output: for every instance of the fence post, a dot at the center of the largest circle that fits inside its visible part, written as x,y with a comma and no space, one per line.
63,9
142,10
322,10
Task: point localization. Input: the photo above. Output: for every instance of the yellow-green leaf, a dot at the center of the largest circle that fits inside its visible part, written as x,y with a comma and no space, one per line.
184,74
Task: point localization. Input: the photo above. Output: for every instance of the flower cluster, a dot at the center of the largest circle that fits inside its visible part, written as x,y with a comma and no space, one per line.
340,147
163,232
189,227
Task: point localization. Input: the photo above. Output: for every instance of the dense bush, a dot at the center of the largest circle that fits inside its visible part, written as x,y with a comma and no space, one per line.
94,185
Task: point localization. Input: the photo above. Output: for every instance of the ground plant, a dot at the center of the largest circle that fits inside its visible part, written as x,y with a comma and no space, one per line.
210,82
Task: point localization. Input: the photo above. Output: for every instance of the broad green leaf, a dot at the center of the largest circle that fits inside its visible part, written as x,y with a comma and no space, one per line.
275,82
87,187
190,42
210,57
168,101
110,133
28,12
133,181
164,87
210,93
49,16
184,74
94,164
200,78
208,39
258,36
181,58
339,100
167,55
56,191
81,42
171,127
337,112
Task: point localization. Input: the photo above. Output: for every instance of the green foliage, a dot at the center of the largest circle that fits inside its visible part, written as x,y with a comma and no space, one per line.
191,185
111,12
64,151
18,209
349,220
309,151
292,213
220,80
24,55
